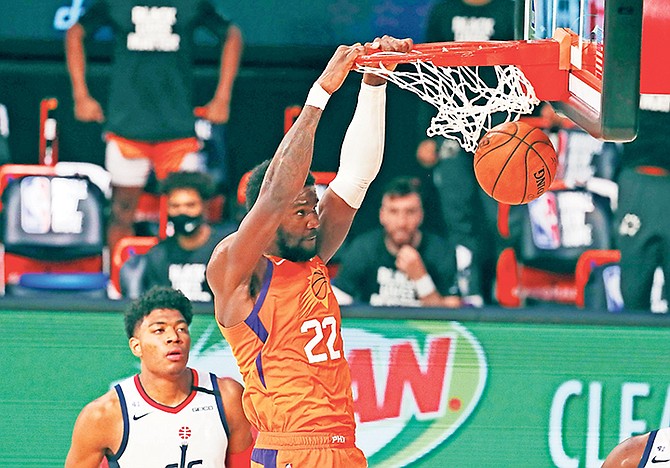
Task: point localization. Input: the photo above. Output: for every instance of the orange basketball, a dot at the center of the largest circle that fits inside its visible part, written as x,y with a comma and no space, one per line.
515,163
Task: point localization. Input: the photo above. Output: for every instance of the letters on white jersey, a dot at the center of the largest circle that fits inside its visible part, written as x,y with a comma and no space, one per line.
192,434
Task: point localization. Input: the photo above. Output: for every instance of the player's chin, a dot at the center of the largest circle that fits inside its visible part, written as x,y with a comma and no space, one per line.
402,238
308,251
304,252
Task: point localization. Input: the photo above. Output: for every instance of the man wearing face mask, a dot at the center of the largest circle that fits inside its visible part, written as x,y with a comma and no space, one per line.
180,260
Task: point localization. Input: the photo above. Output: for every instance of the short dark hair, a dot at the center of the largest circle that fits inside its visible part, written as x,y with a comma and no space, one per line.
158,297
402,186
256,180
198,181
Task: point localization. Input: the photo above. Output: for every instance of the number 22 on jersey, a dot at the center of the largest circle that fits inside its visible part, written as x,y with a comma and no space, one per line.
330,325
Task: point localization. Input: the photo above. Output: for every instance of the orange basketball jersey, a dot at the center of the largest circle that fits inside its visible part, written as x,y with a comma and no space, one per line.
289,350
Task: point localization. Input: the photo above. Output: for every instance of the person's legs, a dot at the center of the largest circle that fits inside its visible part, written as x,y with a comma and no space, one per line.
124,205
128,179
637,239
463,214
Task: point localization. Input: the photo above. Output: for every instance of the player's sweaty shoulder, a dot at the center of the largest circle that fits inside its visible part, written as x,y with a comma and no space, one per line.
103,410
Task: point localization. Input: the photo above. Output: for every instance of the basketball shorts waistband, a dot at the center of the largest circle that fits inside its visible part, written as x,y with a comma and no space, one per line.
304,440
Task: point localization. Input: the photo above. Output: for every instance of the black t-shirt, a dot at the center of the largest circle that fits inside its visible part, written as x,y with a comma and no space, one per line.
368,273
151,91
170,265
455,20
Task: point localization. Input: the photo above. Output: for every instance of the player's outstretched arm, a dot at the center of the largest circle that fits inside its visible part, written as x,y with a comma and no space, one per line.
240,440
628,453
360,157
218,109
234,261
99,428
86,108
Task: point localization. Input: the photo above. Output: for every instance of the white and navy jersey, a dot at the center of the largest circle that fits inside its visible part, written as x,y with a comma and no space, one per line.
192,434
657,452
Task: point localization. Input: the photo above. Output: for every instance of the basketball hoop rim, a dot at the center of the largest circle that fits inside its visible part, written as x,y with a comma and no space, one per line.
489,53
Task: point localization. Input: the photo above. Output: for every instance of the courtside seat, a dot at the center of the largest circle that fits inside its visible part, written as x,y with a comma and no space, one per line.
127,265
547,238
599,287
588,262
53,234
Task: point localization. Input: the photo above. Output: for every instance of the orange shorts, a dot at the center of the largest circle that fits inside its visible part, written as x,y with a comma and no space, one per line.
165,156
298,450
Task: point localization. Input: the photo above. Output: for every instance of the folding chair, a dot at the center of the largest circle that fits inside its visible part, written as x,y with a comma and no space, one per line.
548,238
126,258
53,233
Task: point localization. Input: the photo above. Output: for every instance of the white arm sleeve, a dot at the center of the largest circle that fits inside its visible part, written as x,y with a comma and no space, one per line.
363,146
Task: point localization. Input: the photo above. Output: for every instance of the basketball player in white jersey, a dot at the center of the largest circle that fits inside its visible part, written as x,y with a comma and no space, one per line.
168,415
642,451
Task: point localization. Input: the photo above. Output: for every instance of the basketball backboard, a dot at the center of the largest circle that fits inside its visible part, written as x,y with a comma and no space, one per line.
615,55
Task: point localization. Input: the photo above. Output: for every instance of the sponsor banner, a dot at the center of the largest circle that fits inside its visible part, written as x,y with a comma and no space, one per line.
427,393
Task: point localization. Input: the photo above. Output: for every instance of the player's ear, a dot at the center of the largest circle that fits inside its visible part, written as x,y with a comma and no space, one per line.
135,346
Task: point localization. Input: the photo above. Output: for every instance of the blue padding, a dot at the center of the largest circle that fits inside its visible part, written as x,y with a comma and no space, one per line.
64,281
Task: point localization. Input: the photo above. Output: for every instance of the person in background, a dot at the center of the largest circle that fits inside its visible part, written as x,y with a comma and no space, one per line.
168,414
469,214
272,295
149,120
181,259
642,217
399,264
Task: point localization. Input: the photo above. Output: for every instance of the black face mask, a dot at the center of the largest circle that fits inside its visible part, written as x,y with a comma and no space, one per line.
185,225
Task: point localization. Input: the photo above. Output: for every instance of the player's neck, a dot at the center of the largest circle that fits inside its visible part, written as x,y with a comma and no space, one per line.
166,389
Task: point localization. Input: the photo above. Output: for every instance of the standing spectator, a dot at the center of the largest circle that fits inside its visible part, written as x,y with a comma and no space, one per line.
141,421
643,218
149,121
399,265
469,214
180,260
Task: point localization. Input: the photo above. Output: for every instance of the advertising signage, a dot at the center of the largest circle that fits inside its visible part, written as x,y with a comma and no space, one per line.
428,393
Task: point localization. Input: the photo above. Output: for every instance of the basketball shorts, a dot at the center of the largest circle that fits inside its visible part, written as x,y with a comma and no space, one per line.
298,450
129,161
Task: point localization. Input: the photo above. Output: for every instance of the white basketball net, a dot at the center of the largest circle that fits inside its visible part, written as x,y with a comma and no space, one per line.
464,101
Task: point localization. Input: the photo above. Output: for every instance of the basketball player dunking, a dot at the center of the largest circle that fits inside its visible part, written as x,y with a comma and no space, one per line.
273,300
